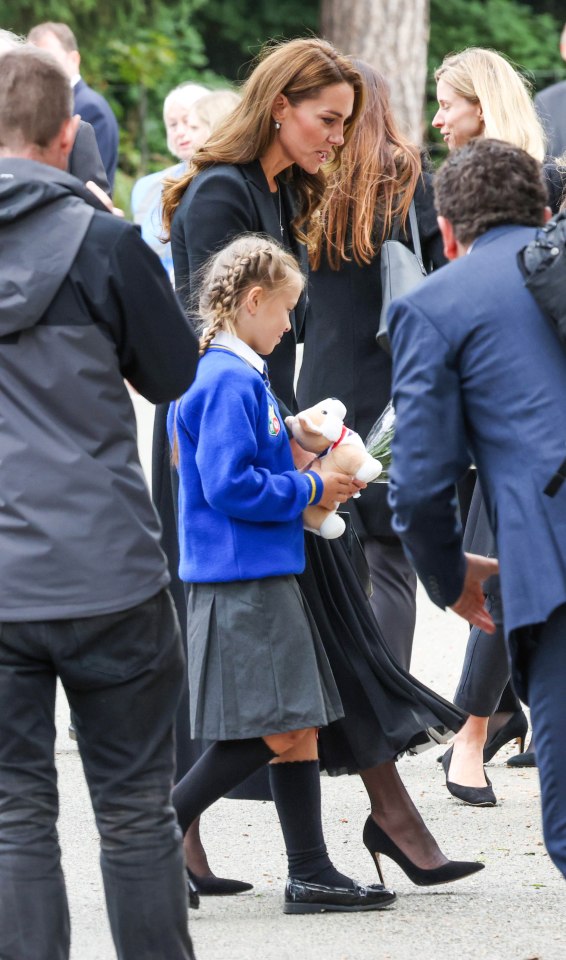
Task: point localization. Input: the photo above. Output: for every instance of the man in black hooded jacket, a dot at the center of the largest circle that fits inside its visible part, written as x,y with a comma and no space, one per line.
84,304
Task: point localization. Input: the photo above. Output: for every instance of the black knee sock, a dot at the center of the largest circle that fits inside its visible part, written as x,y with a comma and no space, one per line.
296,792
221,768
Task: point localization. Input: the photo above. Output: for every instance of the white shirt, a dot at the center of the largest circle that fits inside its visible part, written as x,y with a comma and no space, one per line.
228,340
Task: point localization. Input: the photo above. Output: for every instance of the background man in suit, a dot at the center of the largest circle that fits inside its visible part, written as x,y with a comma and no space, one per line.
84,161
82,575
59,40
480,375
551,108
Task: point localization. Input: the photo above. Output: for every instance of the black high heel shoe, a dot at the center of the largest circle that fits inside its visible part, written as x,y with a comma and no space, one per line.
212,886
192,893
377,842
473,796
514,729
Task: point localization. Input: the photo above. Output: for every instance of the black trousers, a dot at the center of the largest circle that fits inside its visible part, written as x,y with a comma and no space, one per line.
393,600
484,683
122,674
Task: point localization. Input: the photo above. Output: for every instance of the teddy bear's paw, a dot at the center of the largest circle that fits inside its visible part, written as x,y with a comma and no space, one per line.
369,471
332,527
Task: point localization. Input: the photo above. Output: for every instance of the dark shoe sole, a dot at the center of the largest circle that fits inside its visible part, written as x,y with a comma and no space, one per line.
335,908
471,796
469,803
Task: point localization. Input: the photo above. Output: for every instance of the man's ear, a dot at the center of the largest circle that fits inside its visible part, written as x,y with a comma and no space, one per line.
68,133
547,214
280,107
451,251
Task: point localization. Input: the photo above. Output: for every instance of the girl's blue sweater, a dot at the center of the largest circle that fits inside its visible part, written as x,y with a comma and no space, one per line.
240,496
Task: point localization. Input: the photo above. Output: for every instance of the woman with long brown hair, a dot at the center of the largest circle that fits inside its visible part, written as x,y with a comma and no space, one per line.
380,176
294,114
265,170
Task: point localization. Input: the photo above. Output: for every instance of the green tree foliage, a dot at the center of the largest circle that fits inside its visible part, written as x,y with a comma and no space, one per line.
133,51
235,30
528,38
511,27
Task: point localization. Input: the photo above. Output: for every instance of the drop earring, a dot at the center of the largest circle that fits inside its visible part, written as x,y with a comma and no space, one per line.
277,125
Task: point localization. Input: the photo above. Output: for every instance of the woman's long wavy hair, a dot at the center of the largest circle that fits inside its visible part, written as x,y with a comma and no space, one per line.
299,69
486,77
376,182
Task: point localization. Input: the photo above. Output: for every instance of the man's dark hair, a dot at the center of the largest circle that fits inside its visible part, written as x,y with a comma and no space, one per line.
35,98
64,34
488,183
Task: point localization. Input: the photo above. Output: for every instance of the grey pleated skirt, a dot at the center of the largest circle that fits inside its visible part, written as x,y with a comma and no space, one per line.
256,662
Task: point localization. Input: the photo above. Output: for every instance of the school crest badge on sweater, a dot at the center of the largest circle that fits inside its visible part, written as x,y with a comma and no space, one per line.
274,424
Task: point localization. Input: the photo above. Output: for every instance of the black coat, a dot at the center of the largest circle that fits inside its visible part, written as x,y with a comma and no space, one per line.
341,358
95,110
85,161
221,203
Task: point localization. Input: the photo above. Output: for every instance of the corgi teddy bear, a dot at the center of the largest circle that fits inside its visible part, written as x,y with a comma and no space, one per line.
321,430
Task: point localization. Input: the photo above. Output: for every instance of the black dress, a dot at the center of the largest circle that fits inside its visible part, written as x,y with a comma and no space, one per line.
387,710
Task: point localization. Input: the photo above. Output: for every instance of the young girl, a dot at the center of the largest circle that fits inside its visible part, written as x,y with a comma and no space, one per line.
260,683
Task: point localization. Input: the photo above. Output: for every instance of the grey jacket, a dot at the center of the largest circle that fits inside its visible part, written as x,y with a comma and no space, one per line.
83,305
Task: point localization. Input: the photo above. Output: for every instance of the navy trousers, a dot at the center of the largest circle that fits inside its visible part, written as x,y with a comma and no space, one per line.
540,654
122,673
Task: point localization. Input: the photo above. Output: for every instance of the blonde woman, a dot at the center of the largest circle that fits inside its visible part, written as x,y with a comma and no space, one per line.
481,95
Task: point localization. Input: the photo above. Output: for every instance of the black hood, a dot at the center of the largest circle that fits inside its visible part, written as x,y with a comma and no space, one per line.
44,215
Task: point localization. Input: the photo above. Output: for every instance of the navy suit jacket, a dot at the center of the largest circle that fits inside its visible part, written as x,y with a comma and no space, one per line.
479,376
95,110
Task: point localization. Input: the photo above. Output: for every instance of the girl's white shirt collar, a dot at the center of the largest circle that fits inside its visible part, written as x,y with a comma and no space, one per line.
228,340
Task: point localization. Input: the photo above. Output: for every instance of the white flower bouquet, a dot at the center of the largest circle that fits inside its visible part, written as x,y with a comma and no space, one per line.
379,439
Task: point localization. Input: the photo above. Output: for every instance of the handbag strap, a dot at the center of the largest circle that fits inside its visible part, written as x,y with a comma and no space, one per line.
414,230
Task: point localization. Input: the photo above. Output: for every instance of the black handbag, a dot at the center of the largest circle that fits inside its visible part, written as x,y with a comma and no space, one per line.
543,265
401,270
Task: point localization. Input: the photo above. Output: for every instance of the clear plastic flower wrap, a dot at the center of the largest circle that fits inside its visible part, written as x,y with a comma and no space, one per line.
379,439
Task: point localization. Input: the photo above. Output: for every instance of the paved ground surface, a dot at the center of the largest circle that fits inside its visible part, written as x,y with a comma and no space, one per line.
514,910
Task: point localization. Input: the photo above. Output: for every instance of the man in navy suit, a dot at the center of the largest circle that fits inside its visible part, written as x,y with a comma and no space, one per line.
480,376
61,42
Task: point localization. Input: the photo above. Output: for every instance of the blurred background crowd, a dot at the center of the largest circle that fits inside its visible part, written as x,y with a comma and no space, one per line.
135,52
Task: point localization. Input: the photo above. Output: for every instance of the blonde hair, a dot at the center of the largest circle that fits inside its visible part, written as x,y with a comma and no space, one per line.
212,109
187,94
300,70
249,260
486,77
377,180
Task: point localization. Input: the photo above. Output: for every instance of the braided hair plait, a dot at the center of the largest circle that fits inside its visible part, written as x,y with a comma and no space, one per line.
248,261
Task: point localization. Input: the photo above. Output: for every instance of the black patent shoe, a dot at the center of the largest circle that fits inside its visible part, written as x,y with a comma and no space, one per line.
212,886
303,897
192,893
378,842
473,796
